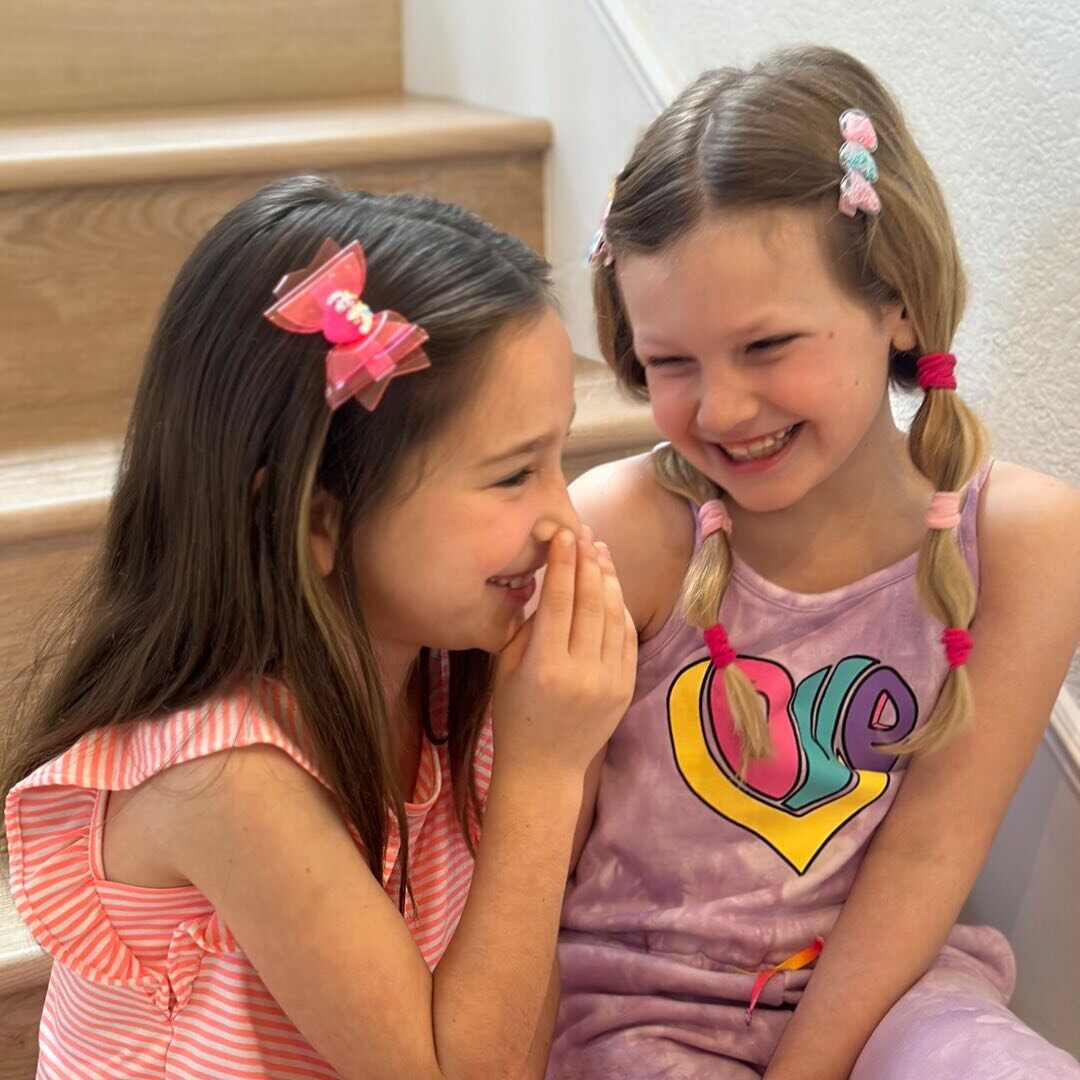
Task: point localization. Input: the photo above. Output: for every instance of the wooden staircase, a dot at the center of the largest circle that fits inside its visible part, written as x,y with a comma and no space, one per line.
127,127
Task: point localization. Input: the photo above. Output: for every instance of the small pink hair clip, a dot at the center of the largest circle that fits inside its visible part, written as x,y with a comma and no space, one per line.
369,348
600,252
857,159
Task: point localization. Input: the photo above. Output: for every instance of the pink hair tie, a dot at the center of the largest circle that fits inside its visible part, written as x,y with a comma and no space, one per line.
713,517
944,510
719,647
958,645
936,371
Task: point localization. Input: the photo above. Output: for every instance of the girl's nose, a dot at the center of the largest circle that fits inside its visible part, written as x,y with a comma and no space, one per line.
725,405
558,513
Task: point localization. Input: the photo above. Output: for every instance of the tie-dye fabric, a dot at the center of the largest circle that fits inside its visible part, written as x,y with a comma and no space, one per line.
690,883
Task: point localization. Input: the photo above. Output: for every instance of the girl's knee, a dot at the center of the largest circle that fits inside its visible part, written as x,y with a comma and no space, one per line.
959,1037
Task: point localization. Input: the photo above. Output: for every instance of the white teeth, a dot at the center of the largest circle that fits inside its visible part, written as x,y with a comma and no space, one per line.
512,582
759,448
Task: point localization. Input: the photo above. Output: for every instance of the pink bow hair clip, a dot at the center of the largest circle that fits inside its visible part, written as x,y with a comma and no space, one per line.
368,348
857,159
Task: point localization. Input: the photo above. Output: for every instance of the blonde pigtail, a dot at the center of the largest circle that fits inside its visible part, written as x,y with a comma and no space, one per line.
948,445
704,584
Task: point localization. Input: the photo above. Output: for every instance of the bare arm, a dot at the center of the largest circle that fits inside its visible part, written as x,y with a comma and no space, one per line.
536,1066
940,828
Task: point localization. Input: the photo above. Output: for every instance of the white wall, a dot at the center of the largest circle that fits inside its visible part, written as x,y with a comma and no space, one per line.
549,58
1028,890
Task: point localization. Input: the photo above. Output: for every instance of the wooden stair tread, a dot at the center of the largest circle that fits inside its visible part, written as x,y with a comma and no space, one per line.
62,490
23,963
65,489
132,146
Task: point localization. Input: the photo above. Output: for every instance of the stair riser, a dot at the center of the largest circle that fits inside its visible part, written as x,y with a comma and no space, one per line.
56,55
87,270
19,1014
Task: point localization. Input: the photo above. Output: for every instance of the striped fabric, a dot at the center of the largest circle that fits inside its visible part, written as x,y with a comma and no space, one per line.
149,983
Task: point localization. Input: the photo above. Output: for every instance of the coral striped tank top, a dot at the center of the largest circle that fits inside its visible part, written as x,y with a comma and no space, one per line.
150,983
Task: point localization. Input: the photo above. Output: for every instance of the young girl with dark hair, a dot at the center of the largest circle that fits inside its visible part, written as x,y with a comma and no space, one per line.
255,815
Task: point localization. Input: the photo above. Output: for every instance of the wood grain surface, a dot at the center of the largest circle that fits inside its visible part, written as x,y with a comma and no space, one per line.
86,270
95,54
141,145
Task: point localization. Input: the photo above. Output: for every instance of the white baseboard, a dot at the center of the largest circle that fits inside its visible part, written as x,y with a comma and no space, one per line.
1063,736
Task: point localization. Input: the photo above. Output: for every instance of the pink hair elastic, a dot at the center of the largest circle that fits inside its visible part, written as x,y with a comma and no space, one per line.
958,645
719,647
936,371
944,510
713,517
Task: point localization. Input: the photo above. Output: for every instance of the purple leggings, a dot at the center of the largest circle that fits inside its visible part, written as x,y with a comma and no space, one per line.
951,1025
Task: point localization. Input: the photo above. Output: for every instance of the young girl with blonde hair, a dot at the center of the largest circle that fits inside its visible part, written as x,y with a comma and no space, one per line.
851,635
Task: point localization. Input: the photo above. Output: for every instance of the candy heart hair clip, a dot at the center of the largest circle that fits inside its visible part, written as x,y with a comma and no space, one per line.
857,160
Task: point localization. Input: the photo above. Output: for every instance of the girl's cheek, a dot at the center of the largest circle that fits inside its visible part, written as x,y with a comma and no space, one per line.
670,411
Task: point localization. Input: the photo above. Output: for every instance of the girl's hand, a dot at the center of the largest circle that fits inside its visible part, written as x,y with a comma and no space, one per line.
566,678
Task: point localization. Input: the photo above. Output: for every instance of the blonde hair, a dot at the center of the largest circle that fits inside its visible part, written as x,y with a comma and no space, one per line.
768,136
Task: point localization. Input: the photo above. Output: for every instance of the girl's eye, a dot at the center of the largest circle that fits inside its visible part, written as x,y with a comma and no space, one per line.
517,479
765,344
666,361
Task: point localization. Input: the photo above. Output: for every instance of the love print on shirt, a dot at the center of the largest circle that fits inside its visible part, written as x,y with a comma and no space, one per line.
830,734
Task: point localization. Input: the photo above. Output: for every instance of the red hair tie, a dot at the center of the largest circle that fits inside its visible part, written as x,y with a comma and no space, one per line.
958,645
719,647
936,371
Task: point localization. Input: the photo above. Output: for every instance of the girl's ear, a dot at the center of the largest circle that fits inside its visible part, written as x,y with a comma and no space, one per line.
324,526
904,338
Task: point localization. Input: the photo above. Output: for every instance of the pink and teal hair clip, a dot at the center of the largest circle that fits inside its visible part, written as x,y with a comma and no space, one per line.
857,160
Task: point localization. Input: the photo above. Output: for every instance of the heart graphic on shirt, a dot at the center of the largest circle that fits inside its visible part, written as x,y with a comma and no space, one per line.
827,734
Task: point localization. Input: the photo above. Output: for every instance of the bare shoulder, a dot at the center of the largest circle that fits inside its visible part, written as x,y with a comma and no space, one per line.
1027,511
194,811
650,532
1029,525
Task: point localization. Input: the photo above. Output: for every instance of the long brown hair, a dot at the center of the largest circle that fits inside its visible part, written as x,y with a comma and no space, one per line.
205,574
769,136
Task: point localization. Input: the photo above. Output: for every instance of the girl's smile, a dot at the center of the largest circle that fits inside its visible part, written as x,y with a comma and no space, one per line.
760,453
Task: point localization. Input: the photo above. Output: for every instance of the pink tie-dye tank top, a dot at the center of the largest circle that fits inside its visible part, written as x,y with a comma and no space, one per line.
691,882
